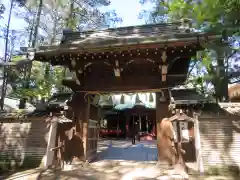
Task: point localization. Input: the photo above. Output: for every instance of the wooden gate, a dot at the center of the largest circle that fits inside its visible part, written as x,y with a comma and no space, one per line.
93,129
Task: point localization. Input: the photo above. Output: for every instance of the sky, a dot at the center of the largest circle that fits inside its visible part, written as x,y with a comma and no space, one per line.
128,10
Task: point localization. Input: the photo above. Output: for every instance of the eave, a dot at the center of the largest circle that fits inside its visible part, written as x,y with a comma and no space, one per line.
46,53
130,38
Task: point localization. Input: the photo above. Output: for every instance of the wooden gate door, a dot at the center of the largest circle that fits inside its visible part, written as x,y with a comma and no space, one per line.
92,140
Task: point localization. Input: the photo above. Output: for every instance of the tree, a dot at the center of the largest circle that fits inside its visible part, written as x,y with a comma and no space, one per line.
218,16
4,84
205,14
2,9
54,17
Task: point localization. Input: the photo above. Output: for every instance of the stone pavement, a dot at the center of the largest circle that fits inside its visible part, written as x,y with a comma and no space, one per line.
118,160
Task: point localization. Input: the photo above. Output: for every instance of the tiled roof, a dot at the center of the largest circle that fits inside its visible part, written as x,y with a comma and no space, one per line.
20,63
59,119
125,36
186,96
232,108
38,113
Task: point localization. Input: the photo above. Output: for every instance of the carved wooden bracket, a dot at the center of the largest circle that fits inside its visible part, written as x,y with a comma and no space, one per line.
117,69
76,76
164,66
164,57
164,70
73,63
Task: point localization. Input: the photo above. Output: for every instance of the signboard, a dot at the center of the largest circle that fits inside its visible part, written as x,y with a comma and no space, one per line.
184,131
184,134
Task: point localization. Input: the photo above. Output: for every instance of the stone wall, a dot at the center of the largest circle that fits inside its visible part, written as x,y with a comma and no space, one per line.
22,144
220,140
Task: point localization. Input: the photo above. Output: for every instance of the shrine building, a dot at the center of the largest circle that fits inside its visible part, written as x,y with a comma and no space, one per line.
126,60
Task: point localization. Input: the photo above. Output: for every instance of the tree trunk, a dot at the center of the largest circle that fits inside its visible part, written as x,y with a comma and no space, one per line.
35,33
47,65
69,20
4,84
223,78
69,25
34,39
220,81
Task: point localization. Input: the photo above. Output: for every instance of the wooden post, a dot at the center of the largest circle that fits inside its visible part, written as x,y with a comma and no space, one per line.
117,127
127,125
85,119
99,121
51,144
161,112
147,126
140,123
198,145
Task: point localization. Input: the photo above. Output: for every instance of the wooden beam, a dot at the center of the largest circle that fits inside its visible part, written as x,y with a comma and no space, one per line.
134,83
151,52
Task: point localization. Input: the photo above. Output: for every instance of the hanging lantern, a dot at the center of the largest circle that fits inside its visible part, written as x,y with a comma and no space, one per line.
146,97
122,100
102,99
151,98
137,101
110,100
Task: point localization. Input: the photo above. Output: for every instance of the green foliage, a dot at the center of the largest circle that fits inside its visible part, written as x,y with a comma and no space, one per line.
51,16
42,79
219,16
211,15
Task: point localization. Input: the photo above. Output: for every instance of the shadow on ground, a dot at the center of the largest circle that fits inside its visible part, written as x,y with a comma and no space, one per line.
107,169
133,165
124,150
110,170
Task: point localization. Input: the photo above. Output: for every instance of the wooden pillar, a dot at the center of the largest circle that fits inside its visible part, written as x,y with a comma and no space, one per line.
198,145
99,120
140,122
127,125
85,118
161,112
117,126
147,126
51,144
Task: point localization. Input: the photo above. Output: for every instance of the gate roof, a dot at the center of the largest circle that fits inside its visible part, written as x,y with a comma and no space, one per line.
124,38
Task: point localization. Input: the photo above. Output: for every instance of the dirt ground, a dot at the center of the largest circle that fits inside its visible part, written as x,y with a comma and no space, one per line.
109,171
117,160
